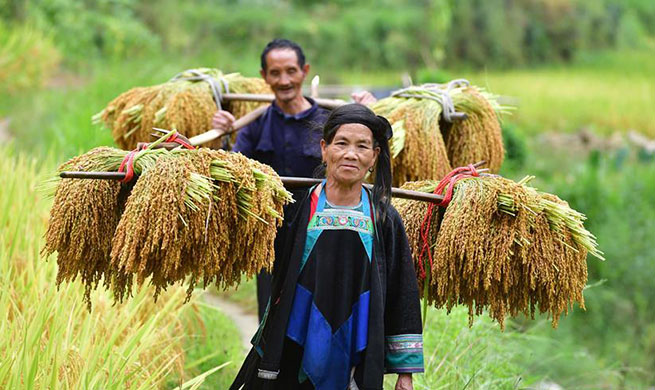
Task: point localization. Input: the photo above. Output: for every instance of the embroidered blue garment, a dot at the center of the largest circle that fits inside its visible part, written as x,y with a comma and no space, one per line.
329,316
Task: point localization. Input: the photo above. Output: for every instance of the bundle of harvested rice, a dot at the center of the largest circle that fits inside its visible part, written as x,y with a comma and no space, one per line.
84,212
417,148
499,245
185,103
476,138
198,215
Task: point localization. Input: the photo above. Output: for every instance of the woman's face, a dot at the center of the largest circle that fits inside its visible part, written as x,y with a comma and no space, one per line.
350,154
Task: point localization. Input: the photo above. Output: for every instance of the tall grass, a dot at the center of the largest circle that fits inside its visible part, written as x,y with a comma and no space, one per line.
58,119
607,93
48,339
210,340
459,357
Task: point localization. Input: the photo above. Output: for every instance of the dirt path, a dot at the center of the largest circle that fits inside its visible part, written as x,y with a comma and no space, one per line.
247,323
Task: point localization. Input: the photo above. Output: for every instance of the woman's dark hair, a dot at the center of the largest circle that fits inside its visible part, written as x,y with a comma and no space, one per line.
381,129
283,44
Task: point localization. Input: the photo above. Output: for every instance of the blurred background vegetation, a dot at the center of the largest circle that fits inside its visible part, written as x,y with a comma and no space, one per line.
581,74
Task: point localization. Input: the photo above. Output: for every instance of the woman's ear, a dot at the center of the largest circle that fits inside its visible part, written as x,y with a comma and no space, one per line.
377,154
323,150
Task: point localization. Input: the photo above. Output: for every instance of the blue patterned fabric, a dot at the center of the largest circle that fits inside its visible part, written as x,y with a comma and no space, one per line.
328,356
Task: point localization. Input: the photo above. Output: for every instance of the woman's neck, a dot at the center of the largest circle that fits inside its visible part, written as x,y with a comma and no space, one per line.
339,194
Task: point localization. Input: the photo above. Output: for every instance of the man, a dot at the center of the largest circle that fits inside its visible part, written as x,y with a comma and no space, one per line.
287,136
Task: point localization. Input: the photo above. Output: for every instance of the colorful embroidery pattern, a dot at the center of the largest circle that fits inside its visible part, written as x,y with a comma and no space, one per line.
333,219
404,353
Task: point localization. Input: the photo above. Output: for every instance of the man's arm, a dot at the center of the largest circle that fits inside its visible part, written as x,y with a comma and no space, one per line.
223,121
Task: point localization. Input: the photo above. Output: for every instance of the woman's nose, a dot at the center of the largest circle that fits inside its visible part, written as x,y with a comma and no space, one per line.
351,153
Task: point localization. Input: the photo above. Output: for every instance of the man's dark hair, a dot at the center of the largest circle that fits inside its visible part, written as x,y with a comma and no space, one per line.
283,44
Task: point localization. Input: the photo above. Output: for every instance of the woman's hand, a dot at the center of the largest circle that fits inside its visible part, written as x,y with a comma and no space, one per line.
404,382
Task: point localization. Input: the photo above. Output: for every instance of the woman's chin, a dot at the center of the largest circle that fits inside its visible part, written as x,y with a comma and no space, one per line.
349,178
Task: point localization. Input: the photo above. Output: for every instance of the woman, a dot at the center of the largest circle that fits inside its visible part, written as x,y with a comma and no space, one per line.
344,309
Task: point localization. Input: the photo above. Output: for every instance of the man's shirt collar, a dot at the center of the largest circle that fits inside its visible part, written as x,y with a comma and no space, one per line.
301,115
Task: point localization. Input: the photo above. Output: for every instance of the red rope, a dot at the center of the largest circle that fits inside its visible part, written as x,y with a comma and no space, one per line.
449,180
127,165
175,138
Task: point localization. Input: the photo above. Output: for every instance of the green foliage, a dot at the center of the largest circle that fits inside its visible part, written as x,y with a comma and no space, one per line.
506,34
622,215
515,144
630,32
27,58
362,35
83,30
428,75
605,91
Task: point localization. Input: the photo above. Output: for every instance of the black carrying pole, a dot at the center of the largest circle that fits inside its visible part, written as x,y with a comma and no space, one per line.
289,182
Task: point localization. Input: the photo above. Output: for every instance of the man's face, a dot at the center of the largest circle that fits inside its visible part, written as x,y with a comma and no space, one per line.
283,74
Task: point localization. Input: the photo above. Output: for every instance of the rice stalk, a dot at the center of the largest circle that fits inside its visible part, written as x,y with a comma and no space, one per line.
83,213
479,137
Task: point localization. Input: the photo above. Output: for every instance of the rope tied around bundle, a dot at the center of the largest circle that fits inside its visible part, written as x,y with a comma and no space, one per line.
127,165
435,92
447,184
216,86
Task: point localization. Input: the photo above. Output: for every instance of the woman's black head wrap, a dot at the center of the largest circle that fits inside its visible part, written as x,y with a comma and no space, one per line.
381,129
